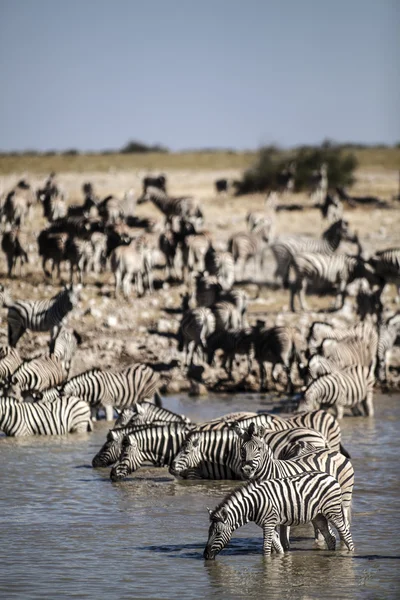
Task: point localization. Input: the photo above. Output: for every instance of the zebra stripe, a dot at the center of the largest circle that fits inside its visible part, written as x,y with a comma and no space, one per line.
388,334
350,351
10,360
347,388
278,345
258,462
220,450
170,207
196,325
109,389
245,246
339,270
233,342
41,315
314,497
284,248
146,412
62,416
325,424
157,444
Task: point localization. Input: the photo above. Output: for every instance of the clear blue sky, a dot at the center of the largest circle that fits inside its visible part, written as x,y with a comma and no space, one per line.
92,74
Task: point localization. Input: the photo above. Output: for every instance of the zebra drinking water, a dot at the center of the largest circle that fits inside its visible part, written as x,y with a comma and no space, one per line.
314,497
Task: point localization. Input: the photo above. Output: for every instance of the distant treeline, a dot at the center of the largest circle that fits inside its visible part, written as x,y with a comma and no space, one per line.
138,147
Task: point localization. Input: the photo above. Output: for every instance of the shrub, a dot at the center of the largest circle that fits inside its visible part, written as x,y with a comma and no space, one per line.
135,147
262,176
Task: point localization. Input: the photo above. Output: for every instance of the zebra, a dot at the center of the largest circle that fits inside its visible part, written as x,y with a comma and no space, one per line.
10,360
183,206
62,416
207,291
245,246
332,207
387,265
52,246
278,345
324,423
319,183
159,182
40,315
79,253
338,269
129,261
222,265
350,351
196,325
233,342
319,331
226,316
40,374
12,246
347,388
147,412
110,389
258,462
389,333
216,453
284,248
240,299
110,210
194,249
368,302
285,179
168,245
318,366
157,444
310,496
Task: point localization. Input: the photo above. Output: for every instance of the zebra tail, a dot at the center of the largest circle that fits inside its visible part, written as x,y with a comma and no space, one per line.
344,451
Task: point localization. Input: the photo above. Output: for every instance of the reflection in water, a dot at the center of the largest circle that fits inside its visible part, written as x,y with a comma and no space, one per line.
68,529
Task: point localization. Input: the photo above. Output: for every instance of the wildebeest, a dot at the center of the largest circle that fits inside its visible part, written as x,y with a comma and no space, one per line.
159,182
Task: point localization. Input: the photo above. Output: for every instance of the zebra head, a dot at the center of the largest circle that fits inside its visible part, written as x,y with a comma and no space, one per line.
124,416
130,460
253,452
110,451
189,456
219,533
13,390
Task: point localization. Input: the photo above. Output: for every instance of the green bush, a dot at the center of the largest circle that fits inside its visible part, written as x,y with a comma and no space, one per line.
135,147
262,176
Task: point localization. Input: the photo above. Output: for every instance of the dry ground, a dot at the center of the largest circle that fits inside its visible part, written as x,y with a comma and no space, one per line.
116,332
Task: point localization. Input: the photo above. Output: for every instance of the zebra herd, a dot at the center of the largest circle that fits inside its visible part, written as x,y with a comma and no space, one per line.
293,470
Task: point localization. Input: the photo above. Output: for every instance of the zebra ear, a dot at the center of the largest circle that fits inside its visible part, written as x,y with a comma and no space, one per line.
224,515
237,429
113,435
195,439
139,408
252,429
210,512
261,432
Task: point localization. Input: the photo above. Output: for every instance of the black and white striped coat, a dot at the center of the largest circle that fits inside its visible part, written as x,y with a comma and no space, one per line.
232,342
258,462
147,412
131,262
337,270
285,247
196,325
157,444
110,389
64,415
10,360
40,315
222,265
387,264
297,500
246,246
389,333
350,387
40,374
319,331
277,345
351,351
183,206
216,453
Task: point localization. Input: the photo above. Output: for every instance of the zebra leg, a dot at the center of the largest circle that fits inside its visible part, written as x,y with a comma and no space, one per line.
302,295
93,412
320,523
368,403
269,532
284,532
117,278
109,410
343,530
339,410
262,374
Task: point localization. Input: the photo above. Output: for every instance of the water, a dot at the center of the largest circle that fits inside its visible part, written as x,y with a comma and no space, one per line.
66,531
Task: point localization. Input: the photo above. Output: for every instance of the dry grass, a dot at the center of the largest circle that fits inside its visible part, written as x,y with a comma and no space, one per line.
375,158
